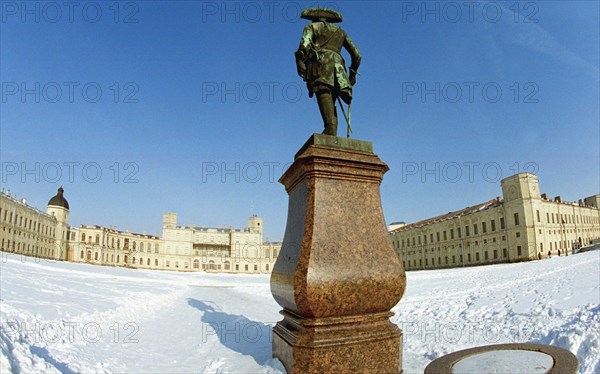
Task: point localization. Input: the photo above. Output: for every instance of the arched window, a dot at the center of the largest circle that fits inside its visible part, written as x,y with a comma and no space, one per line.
96,256
211,265
227,265
82,254
196,264
133,260
141,261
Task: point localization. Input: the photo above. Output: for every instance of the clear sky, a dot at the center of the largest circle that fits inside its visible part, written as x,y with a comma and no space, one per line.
143,107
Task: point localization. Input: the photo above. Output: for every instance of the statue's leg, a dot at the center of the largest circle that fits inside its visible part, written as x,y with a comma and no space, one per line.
328,112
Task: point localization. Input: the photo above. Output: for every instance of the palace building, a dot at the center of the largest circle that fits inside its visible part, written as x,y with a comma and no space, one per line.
25,230
523,225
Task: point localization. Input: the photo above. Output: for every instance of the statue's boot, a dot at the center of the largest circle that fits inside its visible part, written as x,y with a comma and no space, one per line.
328,112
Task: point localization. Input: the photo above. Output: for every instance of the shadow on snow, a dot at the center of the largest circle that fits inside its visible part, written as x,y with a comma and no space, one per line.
236,332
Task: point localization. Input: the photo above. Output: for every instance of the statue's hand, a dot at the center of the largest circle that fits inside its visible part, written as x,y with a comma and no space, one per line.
352,79
301,69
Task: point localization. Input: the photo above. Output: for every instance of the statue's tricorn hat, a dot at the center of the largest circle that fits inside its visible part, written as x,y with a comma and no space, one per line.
315,14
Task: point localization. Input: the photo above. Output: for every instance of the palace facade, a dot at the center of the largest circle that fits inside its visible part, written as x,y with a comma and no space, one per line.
28,231
523,225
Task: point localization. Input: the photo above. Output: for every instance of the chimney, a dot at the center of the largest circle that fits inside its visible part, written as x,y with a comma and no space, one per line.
544,196
557,199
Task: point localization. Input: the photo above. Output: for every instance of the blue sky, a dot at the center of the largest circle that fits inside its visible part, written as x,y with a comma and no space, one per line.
200,107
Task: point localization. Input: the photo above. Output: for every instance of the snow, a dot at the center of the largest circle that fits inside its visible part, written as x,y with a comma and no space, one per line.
72,318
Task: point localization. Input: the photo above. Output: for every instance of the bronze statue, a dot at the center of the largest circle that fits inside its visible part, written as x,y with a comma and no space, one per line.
322,67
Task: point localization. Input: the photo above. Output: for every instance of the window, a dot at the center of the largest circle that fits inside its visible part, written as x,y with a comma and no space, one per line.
246,267
467,230
468,257
437,235
237,267
475,230
459,232
156,262
451,233
483,227
476,256
453,259
196,264
501,223
516,216
495,253
537,212
255,267
228,265
445,238
504,252
519,251
485,255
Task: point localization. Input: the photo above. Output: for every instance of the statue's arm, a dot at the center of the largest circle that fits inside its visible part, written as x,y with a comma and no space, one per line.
302,52
355,57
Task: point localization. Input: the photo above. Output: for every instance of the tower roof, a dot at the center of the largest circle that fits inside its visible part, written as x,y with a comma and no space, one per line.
59,199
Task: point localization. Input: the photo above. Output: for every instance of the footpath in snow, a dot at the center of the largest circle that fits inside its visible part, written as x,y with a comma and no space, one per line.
76,318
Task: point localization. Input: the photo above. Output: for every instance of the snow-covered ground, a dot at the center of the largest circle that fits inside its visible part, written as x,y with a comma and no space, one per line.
71,318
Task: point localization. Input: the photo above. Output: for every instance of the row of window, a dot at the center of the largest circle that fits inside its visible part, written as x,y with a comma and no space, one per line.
444,233
226,265
432,260
26,248
28,235
127,244
26,223
140,261
566,218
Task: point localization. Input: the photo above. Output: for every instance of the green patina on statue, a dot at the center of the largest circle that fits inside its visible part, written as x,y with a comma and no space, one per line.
321,65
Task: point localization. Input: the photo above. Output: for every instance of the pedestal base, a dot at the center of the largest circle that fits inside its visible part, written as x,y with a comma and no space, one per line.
337,276
367,343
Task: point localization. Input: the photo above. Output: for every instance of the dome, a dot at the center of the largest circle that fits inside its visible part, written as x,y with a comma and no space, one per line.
59,199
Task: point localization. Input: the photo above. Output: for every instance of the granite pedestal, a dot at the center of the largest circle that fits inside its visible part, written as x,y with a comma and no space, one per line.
337,275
